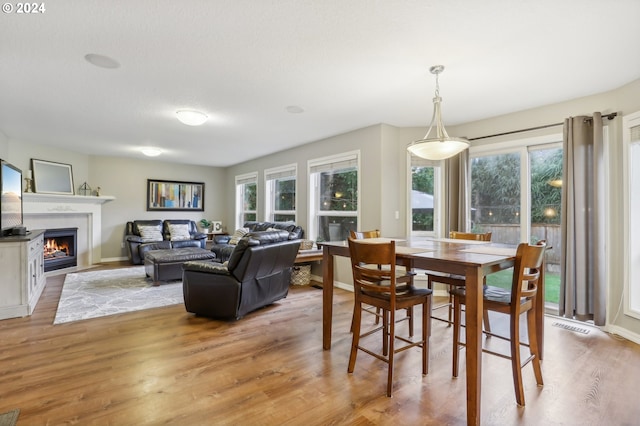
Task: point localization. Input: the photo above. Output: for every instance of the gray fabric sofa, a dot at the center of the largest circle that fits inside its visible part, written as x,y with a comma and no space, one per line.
142,236
257,274
223,249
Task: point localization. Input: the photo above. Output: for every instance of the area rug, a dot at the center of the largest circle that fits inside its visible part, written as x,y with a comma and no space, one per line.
10,418
99,293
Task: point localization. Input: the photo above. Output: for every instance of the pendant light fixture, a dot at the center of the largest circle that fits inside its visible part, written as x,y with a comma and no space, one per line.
441,145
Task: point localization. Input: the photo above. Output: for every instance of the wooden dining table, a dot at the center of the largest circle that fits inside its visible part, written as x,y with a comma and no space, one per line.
472,259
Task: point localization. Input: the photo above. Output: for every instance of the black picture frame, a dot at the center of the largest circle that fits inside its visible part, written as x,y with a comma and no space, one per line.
173,195
50,177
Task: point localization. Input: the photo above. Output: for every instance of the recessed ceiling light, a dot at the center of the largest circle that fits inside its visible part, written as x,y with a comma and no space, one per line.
295,109
191,118
101,61
151,151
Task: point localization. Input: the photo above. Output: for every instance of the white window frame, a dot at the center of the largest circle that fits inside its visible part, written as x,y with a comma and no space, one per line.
271,177
241,181
631,185
438,189
314,167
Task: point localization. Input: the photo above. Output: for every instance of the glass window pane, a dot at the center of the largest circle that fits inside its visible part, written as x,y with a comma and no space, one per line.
495,196
339,190
250,191
284,217
546,192
422,202
285,195
336,228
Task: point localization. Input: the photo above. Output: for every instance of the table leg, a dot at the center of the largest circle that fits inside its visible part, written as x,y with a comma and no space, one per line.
327,297
473,318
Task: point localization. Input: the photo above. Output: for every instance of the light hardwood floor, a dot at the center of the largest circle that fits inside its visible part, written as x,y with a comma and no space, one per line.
166,366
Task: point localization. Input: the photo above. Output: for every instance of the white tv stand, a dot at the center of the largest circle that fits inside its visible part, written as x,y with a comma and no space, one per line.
22,266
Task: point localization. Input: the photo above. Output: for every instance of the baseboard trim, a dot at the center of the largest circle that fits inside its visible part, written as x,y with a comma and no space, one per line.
623,332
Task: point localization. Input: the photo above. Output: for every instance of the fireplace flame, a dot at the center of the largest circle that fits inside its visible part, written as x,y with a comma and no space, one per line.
55,248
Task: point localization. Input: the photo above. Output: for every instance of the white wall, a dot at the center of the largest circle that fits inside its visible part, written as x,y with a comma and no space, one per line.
126,179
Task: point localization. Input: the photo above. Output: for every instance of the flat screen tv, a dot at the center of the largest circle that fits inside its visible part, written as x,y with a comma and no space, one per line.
10,197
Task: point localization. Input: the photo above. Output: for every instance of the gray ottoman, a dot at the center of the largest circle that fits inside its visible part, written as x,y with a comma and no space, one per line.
166,265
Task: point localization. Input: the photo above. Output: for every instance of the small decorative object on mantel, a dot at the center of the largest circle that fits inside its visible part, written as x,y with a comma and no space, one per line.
29,182
98,190
85,189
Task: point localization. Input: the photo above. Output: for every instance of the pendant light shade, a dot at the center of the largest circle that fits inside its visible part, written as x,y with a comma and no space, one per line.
440,146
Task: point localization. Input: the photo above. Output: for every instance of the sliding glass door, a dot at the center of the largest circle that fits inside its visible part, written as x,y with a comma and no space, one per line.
515,195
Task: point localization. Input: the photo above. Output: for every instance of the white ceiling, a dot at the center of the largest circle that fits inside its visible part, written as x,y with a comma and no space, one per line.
348,63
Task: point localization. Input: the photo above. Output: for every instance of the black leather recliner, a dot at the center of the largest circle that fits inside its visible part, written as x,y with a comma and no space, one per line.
137,245
257,274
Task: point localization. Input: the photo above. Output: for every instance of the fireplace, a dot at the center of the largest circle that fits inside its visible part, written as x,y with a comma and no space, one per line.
60,248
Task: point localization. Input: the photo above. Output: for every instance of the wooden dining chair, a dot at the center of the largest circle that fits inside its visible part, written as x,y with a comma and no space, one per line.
377,283
456,280
375,233
520,298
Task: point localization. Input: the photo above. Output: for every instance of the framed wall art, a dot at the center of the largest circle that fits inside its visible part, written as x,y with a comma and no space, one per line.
170,195
52,178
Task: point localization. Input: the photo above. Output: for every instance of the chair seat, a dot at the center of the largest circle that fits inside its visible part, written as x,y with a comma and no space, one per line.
404,292
490,294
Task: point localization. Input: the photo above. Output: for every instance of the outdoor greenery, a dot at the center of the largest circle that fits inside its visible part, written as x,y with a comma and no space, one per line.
285,197
503,279
339,190
495,188
546,167
422,179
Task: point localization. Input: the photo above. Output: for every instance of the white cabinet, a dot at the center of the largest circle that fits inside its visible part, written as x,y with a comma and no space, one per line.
22,274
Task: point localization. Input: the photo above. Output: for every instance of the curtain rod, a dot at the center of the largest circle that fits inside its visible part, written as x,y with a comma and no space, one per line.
607,116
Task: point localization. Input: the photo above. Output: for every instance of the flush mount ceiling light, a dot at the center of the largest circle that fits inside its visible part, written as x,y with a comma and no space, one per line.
101,61
294,109
191,118
441,145
150,151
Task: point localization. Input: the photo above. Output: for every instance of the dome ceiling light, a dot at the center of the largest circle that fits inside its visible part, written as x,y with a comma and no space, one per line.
191,117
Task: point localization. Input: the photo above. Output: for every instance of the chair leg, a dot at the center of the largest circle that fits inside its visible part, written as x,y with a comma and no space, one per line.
426,334
533,345
485,319
450,309
457,313
385,332
410,316
355,340
390,338
516,363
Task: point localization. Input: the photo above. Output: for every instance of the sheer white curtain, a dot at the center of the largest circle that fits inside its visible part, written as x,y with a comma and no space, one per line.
582,291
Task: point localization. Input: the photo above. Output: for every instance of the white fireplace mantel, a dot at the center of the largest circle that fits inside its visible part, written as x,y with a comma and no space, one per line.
43,211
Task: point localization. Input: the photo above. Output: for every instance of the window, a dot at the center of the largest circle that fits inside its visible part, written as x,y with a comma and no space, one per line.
424,197
631,138
280,190
333,196
246,198
516,195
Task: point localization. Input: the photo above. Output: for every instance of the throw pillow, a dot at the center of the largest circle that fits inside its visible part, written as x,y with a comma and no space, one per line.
179,232
150,233
237,235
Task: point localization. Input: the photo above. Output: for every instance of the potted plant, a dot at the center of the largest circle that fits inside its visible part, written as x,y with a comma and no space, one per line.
206,225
